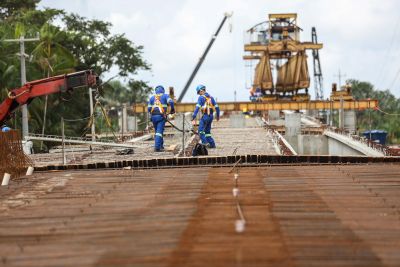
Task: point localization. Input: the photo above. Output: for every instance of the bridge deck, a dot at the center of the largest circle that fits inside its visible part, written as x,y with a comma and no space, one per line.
342,215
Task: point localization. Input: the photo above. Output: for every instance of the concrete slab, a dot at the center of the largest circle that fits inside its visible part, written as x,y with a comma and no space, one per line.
251,139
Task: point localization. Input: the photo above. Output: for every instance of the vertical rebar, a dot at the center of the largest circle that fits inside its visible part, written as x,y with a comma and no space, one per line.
183,134
93,127
63,138
147,120
370,123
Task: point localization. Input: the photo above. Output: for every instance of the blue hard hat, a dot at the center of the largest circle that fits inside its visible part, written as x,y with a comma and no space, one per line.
5,128
200,87
159,89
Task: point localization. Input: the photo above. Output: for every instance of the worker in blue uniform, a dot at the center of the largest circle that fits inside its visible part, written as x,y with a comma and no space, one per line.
157,107
208,105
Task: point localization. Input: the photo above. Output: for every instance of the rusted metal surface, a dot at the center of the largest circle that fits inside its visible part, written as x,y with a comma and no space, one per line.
338,215
221,161
12,158
115,218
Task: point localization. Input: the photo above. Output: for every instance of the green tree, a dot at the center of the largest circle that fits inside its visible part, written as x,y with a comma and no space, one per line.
96,48
91,45
53,58
8,8
378,119
114,92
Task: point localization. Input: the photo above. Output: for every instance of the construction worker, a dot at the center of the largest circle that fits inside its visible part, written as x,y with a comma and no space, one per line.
5,128
157,107
208,105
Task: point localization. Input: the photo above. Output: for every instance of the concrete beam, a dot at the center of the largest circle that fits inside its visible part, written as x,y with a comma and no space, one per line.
358,146
275,105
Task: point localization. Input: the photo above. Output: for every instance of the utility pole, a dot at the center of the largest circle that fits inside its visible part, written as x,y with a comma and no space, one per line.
340,75
22,55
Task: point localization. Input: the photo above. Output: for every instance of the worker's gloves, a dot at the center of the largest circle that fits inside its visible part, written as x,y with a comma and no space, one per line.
171,116
193,122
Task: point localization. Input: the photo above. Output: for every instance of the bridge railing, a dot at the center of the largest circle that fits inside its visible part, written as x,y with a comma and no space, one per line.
284,147
387,151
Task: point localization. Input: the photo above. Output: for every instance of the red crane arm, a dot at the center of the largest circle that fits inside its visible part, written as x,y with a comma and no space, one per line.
56,84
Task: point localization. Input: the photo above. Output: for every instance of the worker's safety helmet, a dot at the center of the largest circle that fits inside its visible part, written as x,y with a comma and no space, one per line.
160,89
200,87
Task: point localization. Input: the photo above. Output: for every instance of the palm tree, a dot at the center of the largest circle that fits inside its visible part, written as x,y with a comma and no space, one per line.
52,57
6,72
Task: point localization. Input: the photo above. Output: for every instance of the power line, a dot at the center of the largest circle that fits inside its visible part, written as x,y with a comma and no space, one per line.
386,113
382,73
395,79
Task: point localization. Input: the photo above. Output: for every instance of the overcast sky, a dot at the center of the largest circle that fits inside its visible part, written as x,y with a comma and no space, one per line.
360,37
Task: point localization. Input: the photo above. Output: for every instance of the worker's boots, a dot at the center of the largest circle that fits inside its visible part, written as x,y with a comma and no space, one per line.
208,145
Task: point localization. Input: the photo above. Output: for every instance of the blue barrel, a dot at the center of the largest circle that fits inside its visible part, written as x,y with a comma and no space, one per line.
376,135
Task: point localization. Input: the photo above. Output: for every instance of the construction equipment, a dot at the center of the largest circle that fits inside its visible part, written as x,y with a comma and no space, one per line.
361,104
318,79
276,45
343,94
57,84
201,59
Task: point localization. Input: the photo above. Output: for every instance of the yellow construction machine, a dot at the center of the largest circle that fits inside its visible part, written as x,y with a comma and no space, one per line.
343,94
281,72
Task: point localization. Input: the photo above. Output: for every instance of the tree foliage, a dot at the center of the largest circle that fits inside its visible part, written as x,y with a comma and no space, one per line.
9,8
376,119
73,43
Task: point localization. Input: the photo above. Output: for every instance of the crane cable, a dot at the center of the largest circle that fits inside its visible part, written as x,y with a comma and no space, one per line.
104,113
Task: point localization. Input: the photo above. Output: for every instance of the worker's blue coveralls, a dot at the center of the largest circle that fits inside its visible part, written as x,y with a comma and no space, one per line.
157,107
208,105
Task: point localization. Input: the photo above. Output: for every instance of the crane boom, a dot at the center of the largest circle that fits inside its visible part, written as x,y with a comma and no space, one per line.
318,79
57,84
196,69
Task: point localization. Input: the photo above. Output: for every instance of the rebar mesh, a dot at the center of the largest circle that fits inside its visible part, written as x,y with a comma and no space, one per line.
13,160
